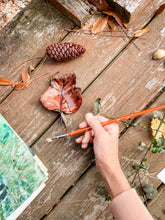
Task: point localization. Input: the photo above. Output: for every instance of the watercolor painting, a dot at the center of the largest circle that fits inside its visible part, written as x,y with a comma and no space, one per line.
20,173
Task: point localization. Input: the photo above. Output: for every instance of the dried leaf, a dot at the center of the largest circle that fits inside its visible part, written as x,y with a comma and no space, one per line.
97,105
86,27
139,33
62,95
102,5
100,25
158,114
160,9
116,16
155,123
6,82
25,76
21,86
111,24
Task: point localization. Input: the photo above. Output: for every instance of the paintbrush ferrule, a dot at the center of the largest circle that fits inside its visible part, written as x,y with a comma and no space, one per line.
56,137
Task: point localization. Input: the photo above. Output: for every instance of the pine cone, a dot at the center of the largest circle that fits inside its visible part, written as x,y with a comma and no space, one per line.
64,51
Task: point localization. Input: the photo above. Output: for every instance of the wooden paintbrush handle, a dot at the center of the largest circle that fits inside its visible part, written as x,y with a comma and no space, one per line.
123,118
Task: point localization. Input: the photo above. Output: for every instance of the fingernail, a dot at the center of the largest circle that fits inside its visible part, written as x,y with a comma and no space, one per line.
89,116
84,146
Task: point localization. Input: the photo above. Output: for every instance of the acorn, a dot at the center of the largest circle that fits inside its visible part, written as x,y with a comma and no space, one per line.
159,54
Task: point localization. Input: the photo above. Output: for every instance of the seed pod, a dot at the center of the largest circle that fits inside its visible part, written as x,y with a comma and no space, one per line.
64,51
159,54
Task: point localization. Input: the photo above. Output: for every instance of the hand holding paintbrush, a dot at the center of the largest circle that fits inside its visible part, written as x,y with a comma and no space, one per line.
82,130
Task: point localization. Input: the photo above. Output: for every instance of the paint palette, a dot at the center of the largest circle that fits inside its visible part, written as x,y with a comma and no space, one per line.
22,174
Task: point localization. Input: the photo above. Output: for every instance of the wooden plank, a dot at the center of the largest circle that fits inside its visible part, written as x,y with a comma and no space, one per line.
8,10
157,207
66,160
24,39
91,186
76,10
98,48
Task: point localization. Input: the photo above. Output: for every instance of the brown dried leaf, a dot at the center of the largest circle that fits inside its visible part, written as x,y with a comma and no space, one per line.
111,24
86,27
6,82
116,16
160,9
102,5
139,33
100,25
21,86
25,76
62,95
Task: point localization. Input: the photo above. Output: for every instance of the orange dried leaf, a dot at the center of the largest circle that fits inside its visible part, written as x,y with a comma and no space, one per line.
62,95
139,33
100,25
21,86
160,9
86,27
116,16
25,76
111,24
6,82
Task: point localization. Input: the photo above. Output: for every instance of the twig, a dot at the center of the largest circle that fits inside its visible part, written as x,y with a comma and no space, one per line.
148,149
55,203
99,33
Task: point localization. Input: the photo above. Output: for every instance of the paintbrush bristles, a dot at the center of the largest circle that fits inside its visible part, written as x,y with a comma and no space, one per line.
49,140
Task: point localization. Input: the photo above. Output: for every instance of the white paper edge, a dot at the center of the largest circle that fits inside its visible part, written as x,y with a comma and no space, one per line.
161,175
21,208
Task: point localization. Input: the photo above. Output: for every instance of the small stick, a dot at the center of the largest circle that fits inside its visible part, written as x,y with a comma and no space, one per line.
123,118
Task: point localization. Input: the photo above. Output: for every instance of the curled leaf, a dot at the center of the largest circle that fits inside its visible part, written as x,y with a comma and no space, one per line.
62,95
25,76
111,24
100,25
160,9
116,16
139,33
6,82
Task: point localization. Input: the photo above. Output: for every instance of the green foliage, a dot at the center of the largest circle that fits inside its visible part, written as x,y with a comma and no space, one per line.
127,122
150,191
107,198
157,146
137,124
142,166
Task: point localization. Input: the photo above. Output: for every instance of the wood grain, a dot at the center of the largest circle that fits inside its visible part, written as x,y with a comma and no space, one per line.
76,10
27,38
91,186
128,78
119,83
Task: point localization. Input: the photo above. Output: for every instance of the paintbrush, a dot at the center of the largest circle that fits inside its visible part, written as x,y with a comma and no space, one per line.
123,118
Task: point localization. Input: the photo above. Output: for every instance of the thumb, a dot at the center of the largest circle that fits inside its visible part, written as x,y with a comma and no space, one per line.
94,124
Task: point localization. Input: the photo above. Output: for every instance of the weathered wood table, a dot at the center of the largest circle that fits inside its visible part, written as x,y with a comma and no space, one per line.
113,69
